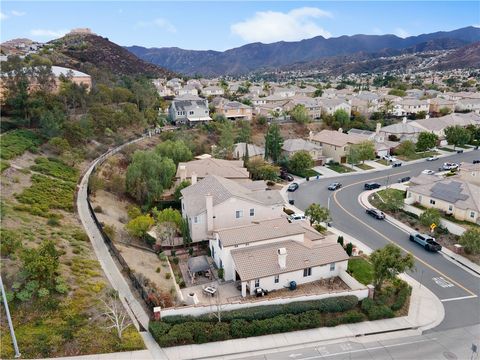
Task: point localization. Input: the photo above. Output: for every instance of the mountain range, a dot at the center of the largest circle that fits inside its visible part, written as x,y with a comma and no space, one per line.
259,56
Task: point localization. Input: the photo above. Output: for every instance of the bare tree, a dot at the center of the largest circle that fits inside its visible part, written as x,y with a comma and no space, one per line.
166,232
218,305
116,315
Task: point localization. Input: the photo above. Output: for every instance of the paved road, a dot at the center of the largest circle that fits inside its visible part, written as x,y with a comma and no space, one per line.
447,345
457,288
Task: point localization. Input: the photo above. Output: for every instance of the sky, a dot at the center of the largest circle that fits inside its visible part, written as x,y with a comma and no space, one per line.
221,25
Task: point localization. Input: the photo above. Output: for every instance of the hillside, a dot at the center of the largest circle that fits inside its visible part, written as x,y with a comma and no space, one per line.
467,56
255,56
86,51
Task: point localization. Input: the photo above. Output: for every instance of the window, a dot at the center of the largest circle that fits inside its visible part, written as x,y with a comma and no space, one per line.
206,111
450,207
219,244
307,272
238,214
191,112
252,212
195,220
179,113
276,279
472,214
432,201
257,283
332,267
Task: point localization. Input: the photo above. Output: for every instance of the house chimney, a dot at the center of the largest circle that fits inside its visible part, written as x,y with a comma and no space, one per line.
282,258
310,135
183,172
377,129
194,178
209,206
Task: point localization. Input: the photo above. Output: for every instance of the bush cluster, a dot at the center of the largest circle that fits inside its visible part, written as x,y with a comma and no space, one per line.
16,142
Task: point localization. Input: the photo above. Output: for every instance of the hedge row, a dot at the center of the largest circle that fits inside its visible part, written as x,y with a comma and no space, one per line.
198,332
329,305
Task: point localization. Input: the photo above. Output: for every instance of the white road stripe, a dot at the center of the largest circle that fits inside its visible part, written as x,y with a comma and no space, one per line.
459,298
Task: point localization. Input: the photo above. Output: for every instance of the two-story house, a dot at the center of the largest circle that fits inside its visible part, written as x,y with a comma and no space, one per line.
291,146
217,203
189,111
335,144
234,110
329,106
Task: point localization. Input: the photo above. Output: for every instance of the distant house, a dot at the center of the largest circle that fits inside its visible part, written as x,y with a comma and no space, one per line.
438,125
213,91
230,169
270,254
187,90
468,105
292,146
382,146
335,143
453,196
189,111
312,106
234,110
254,151
438,103
215,203
401,131
330,106
414,106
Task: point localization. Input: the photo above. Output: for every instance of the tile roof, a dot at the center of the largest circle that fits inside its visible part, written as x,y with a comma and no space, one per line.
337,138
257,262
440,123
253,150
223,189
232,169
292,145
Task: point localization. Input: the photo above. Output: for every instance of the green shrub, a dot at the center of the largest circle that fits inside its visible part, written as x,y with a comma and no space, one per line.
56,168
53,221
352,316
175,260
9,242
340,240
168,275
349,249
221,273
16,142
378,312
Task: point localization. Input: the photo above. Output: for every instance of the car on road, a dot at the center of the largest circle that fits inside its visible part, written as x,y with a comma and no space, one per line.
377,214
334,186
389,158
404,179
426,241
296,217
292,187
459,151
432,158
428,172
371,186
449,166
397,164
476,161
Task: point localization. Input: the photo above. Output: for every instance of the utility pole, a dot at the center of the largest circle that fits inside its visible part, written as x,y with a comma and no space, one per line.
10,325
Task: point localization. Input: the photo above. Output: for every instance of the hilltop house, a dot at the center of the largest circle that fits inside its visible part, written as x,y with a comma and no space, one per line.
189,111
292,146
217,203
270,254
329,106
234,110
335,143
254,151
199,169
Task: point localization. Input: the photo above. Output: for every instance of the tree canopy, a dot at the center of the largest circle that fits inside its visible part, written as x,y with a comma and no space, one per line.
176,150
299,162
426,140
457,135
273,143
388,262
300,114
317,213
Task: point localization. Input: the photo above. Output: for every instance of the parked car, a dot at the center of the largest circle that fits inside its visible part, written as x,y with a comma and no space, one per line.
459,151
426,241
432,158
292,187
296,217
397,164
449,166
390,158
334,186
371,186
404,179
476,161
285,176
377,214
428,172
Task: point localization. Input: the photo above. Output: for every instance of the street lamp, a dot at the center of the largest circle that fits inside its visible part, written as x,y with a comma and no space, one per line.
10,325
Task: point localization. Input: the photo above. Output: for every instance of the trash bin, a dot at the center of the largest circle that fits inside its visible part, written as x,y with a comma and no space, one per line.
291,202
293,285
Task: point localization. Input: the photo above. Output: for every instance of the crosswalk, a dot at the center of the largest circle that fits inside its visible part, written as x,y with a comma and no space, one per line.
440,281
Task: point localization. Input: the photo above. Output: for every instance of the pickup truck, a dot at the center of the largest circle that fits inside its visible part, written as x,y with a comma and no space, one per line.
426,241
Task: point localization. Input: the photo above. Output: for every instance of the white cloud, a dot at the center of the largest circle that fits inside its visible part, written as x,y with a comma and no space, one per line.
159,23
271,26
3,16
377,31
48,33
401,33
476,25
18,13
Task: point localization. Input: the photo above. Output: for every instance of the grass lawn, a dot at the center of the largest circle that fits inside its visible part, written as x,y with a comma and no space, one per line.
446,149
416,156
364,166
340,168
307,173
361,270
383,162
378,198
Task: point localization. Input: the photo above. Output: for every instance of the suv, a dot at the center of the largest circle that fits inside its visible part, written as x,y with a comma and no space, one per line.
404,179
449,166
296,217
334,186
371,186
292,187
376,214
426,241
397,164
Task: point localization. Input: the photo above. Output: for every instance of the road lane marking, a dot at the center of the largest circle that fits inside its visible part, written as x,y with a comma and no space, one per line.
459,298
319,356
440,281
391,241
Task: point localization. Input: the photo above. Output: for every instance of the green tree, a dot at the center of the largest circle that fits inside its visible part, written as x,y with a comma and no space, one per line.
392,200
317,213
226,142
244,131
51,123
299,113
10,242
444,111
406,148
426,140
139,226
41,264
148,175
178,190
353,156
421,115
273,143
470,239
397,92
176,150
121,94
365,150
457,135
430,216
387,107
300,162
388,262
342,117
168,215
261,170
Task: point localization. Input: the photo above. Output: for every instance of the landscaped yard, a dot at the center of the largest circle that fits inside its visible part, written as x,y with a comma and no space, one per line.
379,198
383,162
419,155
364,166
446,149
361,270
307,173
340,168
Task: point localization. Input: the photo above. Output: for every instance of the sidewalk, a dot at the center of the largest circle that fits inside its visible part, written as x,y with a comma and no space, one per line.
363,200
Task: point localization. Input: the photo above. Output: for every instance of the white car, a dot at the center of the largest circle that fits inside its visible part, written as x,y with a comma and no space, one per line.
450,166
428,172
296,217
432,158
390,158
